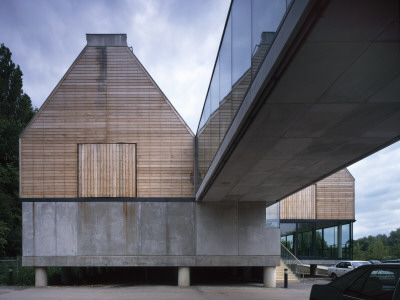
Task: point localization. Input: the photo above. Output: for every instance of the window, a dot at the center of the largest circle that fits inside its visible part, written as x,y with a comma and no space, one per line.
341,265
379,284
272,216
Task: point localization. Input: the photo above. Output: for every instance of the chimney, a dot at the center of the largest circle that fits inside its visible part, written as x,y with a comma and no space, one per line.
106,40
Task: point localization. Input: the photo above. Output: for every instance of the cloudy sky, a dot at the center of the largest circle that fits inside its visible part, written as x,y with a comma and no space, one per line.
177,42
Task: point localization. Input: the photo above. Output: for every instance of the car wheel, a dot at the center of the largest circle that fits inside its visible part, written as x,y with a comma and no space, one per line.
334,276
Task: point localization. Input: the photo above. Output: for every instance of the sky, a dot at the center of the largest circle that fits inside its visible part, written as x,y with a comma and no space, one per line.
177,42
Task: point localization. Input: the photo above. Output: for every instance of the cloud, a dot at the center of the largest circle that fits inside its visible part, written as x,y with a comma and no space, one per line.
176,41
377,190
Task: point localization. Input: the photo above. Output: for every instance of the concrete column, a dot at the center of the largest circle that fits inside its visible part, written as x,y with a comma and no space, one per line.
339,240
40,276
313,270
270,277
183,276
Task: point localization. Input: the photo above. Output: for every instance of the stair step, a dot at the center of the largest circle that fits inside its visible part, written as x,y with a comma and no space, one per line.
280,274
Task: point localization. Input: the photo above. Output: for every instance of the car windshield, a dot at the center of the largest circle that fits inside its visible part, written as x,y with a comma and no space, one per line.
360,263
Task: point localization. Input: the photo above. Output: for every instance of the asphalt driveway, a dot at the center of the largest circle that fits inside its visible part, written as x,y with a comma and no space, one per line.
298,291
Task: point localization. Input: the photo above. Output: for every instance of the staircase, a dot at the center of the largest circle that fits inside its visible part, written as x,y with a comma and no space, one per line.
280,273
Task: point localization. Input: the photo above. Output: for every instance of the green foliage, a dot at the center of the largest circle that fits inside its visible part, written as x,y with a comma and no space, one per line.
358,254
380,247
15,112
4,231
22,276
377,250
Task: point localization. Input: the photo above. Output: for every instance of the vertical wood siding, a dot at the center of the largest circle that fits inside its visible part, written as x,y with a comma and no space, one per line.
328,199
300,205
107,170
335,196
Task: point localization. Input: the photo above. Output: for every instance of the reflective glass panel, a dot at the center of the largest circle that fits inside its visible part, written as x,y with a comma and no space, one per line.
249,32
272,216
305,244
225,61
305,239
214,90
241,38
290,243
319,243
266,17
330,242
288,228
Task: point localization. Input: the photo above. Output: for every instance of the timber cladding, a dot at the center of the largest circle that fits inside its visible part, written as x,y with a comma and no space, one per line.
107,170
328,199
106,106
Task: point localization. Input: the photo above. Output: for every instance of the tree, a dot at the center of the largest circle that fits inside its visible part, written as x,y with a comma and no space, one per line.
15,112
358,254
395,250
4,230
380,247
377,250
394,237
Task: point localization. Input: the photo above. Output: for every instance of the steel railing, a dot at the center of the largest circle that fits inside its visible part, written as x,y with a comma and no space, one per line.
292,262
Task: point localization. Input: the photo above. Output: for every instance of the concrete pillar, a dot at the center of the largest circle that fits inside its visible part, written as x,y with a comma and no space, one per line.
313,270
40,276
339,240
270,277
183,276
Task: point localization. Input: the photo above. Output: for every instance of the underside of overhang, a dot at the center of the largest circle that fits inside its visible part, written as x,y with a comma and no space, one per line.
326,96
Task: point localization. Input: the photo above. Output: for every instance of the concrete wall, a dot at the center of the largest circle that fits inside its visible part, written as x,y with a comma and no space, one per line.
148,234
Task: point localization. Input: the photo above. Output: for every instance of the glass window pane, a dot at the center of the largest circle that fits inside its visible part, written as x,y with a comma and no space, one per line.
330,242
346,235
319,242
225,82
288,228
214,89
207,108
225,61
272,216
241,38
290,243
266,17
305,239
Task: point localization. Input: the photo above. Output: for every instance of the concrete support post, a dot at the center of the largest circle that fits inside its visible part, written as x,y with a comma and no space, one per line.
339,240
270,277
183,276
40,276
313,270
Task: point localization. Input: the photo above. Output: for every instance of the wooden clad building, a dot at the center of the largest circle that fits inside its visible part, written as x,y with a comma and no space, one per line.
106,178
317,222
106,130
329,199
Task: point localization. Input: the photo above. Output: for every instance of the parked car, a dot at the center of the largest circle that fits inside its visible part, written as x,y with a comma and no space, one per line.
374,261
392,261
343,267
368,282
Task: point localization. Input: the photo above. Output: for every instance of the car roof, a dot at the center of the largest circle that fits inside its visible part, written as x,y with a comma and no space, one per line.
397,265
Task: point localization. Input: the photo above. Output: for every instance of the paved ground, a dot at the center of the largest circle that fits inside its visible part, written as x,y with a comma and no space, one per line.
298,291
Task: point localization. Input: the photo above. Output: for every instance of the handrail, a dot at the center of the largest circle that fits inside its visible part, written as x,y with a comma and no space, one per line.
290,253
288,262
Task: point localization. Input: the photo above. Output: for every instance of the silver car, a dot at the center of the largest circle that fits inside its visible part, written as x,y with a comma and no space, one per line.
343,267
